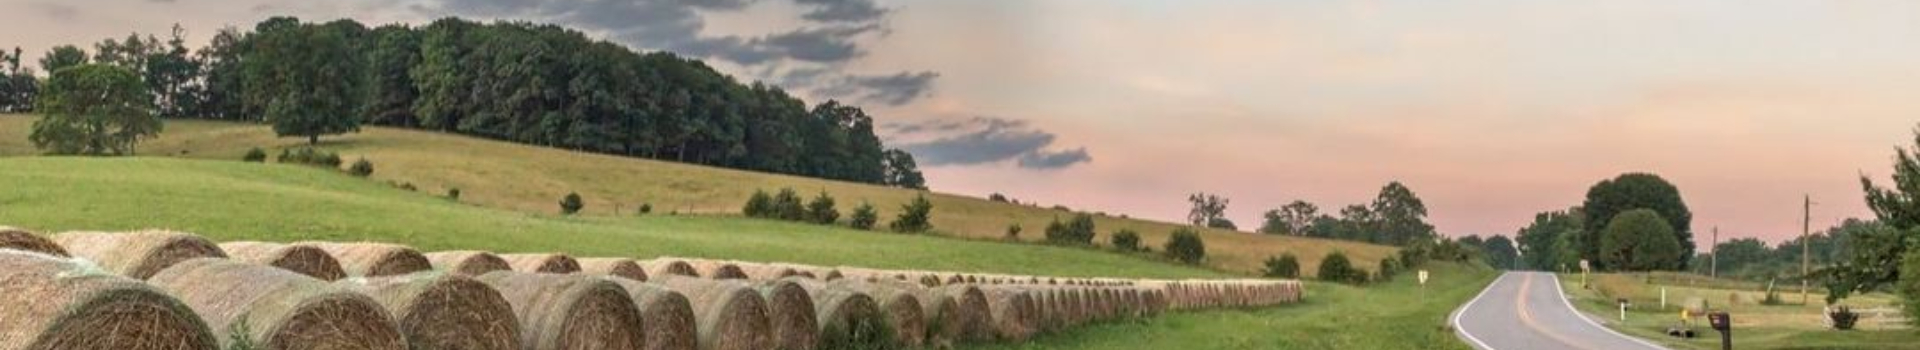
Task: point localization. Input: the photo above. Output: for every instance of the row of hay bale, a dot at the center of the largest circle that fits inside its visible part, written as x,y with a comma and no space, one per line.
198,295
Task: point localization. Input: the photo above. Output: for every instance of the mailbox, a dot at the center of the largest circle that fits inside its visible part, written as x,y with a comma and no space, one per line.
1721,321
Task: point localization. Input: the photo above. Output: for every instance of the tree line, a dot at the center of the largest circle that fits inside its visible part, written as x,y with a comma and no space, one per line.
1396,216
514,81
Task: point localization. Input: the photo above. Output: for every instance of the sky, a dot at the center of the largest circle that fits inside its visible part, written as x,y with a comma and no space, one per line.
1490,111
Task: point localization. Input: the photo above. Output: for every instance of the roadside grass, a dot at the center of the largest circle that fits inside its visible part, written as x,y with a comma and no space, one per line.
1394,315
531,179
228,200
1788,326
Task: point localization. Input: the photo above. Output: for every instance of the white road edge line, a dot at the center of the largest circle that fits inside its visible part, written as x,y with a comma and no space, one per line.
1462,331
1583,317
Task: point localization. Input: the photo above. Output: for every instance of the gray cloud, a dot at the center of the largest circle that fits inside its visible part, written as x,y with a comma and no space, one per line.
892,89
983,140
843,10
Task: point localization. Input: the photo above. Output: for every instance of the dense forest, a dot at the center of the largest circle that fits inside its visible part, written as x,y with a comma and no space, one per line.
520,82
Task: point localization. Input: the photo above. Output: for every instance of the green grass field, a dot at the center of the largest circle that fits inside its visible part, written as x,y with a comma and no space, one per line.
1756,326
528,179
1394,315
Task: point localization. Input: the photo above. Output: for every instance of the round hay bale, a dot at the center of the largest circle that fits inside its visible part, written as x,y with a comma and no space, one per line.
376,259
618,267
731,317
300,258
54,303
542,263
943,322
666,315
847,319
975,316
903,312
570,311
790,314
272,308
765,272
21,239
1012,312
669,266
441,310
719,270
137,254
468,262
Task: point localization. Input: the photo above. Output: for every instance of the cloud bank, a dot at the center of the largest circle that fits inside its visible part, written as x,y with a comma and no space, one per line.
983,140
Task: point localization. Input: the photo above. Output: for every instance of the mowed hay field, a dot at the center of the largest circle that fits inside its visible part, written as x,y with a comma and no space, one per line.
532,179
232,201
1791,325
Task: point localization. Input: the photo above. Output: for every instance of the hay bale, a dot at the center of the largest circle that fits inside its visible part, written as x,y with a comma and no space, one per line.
902,310
542,263
300,258
666,315
719,270
53,302
137,254
847,319
944,323
790,314
766,272
21,239
468,262
376,259
1012,311
274,308
570,311
442,310
731,317
975,315
669,266
619,267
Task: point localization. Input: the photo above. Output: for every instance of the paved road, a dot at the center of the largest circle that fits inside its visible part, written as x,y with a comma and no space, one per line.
1528,310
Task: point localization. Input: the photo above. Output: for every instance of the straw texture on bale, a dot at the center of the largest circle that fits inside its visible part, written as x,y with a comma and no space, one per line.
570,312
719,270
444,311
847,319
902,310
1012,312
137,254
669,266
542,263
54,303
376,259
468,262
763,272
300,258
941,315
790,314
731,317
278,309
21,239
975,317
666,315
618,267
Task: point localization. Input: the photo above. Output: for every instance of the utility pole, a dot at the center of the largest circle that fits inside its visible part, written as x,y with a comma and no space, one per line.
1713,255
1806,247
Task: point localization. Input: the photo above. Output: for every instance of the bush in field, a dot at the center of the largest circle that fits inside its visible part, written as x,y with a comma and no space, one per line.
1843,317
453,193
1013,232
786,206
1126,240
571,204
255,155
760,205
1335,267
1284,266
1076,231
646,208
821,210
309,156
1388,268
915,217
1186,246
361,168
864,217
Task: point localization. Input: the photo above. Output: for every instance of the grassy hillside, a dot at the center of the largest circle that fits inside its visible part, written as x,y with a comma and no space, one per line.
1394,315
531,179
1791,325
233,200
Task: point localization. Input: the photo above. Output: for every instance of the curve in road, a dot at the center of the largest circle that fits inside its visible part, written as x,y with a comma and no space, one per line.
1529,310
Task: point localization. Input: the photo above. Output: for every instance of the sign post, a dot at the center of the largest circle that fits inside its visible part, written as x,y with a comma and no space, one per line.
1724,323
1584,268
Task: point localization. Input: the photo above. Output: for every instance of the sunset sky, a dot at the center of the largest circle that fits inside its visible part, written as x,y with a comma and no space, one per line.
1490,110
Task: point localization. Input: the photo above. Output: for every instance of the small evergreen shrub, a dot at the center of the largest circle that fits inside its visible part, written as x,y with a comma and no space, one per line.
1186,246
1284,266
1076,231
1013,232
864,217
255,155
1126,240
760,205
1335,267
1843,317
309,156
1388,268
453,193
786,206
821,210
646,208
915,217
571,204
361,168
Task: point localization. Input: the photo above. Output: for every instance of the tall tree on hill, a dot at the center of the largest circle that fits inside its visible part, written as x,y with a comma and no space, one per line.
901,170
1208,210
222,78
1635,191
1401,215
1540,243
172,74
18,86
1292,219
62,56
306,77
1639,240
391,53
93,109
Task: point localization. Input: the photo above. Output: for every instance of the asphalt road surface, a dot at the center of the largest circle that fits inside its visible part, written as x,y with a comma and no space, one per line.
1529,310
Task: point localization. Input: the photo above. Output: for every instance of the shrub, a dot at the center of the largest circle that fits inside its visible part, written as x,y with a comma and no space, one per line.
255,155
760,205
915,216
786,206
1186,246
863,217
1126,240
821,210
361,168
453,193
571,204
1843,317
646,208
309,156
1013,232
1284,266
1336,268
1388,268
1076,231
405,186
